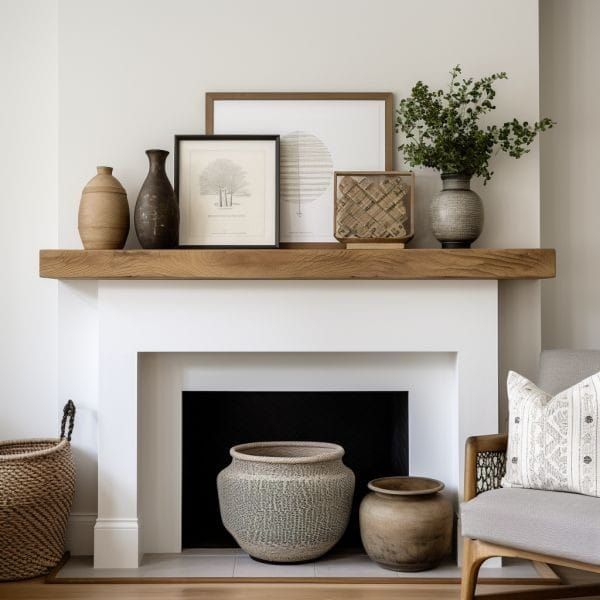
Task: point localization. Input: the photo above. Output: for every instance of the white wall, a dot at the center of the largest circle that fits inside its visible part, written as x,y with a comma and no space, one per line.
148,83
570,88
28,200
132,74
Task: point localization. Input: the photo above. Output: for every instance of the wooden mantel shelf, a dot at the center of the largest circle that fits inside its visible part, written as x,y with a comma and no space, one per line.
321,263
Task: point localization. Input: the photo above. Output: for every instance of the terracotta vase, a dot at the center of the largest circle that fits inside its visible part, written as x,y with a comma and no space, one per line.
286,502
103,220
405,523
156,215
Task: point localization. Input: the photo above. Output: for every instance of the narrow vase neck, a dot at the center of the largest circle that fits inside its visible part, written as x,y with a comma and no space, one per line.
456,182
157,159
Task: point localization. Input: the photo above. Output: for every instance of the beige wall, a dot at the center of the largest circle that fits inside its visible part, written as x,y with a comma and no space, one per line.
570,169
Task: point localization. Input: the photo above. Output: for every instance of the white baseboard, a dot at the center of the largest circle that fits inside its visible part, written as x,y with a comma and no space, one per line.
80,534
112,542
116,544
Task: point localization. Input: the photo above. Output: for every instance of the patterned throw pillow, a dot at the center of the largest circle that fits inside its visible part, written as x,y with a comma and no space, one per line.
553,441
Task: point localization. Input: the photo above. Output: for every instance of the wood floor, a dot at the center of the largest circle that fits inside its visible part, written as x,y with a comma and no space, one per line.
38,590
41,591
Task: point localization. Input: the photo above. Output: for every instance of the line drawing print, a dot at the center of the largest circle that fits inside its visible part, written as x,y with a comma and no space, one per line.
306,168
224,178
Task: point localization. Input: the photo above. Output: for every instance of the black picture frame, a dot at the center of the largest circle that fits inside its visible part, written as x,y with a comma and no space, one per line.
177,176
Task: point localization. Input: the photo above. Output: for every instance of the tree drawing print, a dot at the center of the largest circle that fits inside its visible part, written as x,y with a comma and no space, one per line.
306,168
223,178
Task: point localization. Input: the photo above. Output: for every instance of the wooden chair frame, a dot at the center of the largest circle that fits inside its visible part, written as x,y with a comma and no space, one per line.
475,552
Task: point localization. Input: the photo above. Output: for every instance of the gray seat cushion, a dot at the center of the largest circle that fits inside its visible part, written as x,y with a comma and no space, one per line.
554,523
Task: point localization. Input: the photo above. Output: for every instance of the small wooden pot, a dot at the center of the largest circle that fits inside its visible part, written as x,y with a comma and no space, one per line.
103,220
405,524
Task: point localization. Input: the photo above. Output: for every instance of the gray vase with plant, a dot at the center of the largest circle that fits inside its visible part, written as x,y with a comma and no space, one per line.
442,131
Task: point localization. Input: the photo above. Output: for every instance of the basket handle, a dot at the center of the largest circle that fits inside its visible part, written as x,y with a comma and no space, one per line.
68,413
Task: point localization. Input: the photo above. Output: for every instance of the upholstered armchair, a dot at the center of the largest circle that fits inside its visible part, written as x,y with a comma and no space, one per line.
553,527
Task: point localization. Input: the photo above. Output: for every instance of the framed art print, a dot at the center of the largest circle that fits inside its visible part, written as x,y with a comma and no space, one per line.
320,133
228,190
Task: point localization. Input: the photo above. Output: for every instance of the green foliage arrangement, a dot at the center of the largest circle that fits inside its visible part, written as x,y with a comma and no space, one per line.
442,128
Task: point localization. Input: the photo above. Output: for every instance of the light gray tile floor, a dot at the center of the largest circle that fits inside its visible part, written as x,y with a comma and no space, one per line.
231,562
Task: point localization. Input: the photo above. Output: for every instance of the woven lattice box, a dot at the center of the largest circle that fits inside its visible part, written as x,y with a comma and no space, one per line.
373,206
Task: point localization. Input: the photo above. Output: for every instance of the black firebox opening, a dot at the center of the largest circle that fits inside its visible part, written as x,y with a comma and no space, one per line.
371,426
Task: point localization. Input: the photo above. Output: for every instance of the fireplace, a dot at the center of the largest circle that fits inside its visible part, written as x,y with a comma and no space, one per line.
436,340
166,379
372,426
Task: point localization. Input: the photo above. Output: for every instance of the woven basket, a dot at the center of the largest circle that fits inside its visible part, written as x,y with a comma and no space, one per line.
37,482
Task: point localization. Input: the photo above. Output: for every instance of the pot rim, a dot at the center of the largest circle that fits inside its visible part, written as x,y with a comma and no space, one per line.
157,151
330,452
394,485
445,176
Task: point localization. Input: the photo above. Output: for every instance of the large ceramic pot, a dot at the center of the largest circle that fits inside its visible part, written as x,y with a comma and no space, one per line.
456,212
103,220
156,216
286,502
405,523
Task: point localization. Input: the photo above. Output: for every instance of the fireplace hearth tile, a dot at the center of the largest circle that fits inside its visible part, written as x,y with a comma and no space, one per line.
247,567
189,566
235,564
154,565
213,552
350,565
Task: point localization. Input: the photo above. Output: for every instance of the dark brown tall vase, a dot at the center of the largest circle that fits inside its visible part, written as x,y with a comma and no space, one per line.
156,215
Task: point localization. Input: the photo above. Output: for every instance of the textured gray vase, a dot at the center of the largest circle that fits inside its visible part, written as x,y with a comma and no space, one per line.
156,216
286,502
456,213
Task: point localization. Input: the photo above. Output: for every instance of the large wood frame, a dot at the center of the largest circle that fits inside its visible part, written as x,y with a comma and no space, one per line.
475,552
387,97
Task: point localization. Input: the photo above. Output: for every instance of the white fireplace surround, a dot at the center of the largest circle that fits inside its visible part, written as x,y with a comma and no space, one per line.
438,340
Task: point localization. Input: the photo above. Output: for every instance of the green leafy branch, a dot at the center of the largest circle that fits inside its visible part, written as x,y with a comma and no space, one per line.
441,127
